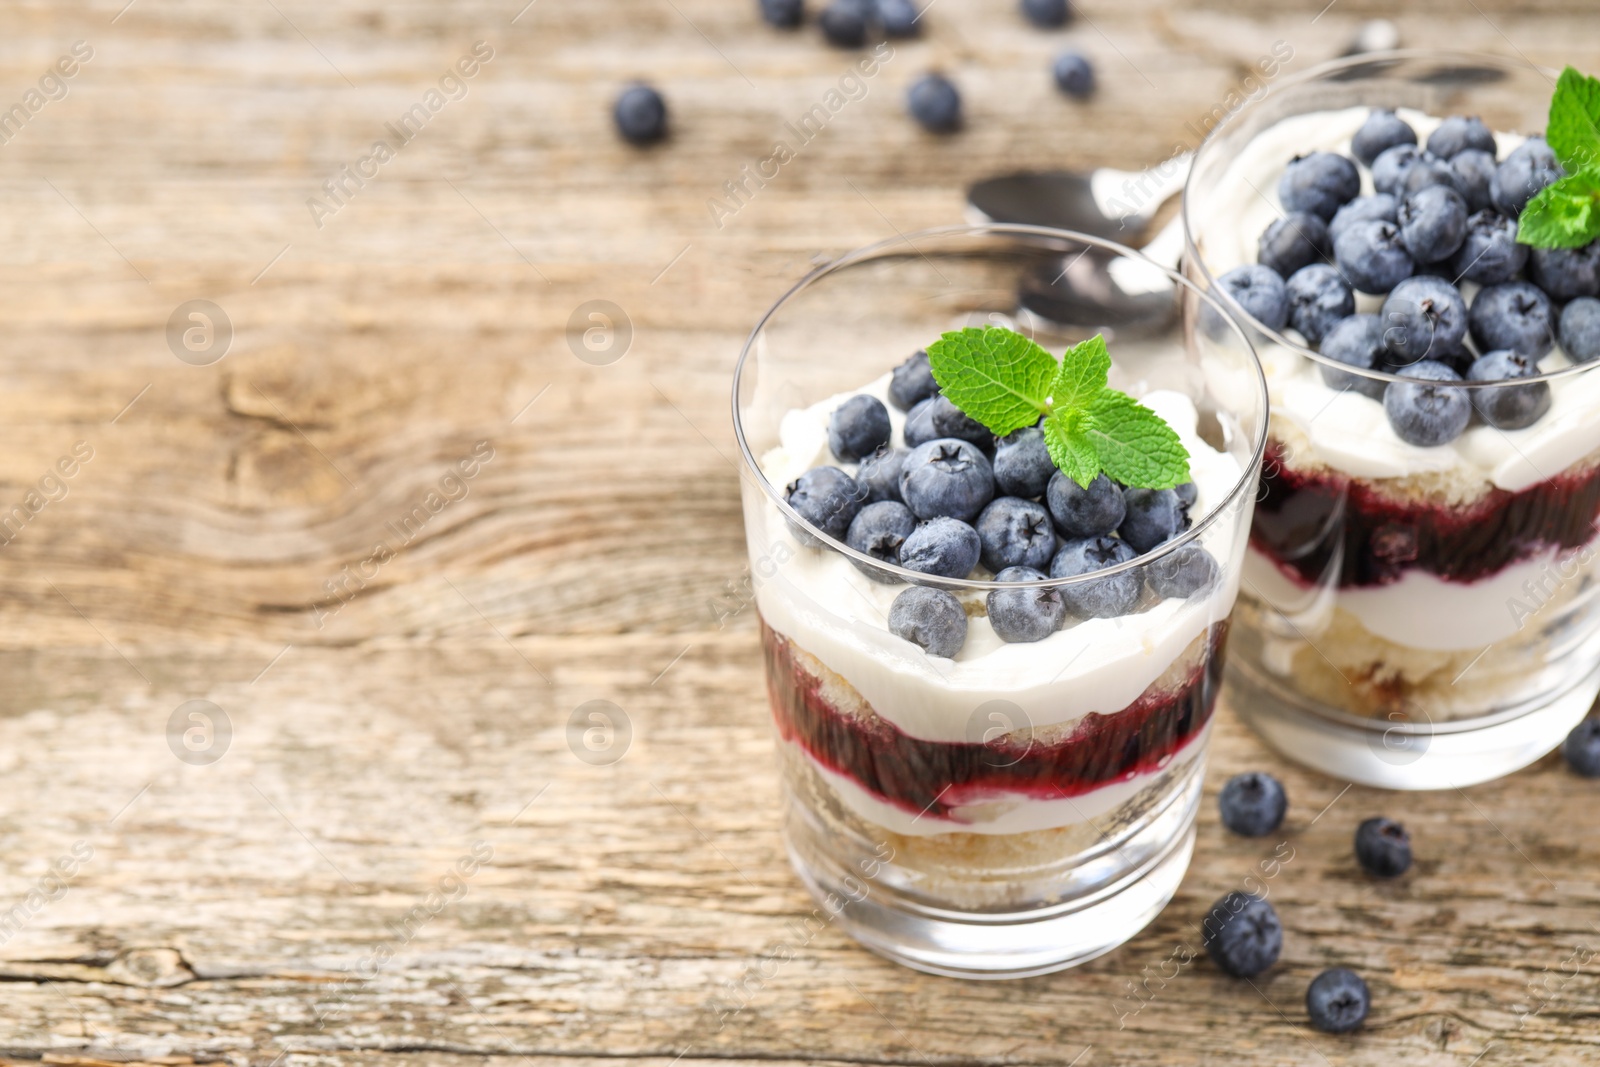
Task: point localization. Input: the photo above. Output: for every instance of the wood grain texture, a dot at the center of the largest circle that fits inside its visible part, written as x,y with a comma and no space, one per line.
274,906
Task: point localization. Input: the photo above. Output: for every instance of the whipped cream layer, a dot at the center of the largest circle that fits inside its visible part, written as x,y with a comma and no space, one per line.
1420,610
1349,432
819,600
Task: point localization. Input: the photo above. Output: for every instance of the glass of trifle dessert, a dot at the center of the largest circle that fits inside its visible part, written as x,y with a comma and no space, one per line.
1411,239
993,559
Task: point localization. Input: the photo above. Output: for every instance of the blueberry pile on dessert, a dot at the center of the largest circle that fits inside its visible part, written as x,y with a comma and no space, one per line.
1453,295
952,500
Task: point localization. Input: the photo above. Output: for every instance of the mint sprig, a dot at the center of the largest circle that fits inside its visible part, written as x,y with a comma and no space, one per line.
1006,381
1566,213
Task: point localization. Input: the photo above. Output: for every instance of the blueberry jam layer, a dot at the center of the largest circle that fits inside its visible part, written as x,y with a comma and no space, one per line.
934,777
1309,522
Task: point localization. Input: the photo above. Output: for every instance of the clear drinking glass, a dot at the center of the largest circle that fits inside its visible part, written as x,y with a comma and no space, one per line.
1412,618
1018,808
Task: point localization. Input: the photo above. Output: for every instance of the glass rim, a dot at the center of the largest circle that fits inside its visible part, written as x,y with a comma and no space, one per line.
1319,72
1230,501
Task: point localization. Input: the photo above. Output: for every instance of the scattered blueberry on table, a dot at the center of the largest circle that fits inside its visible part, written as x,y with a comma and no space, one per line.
784,14
935,103
1337,1001
641,115
1582,748
845,23
1073,74
1253,804
1047,14
1383,848
1242,934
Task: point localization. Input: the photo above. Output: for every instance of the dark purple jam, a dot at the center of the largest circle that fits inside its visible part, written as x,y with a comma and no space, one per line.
934,776
1310,522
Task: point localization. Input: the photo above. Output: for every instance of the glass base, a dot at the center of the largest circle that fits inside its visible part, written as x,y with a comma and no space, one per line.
1403,755
997,944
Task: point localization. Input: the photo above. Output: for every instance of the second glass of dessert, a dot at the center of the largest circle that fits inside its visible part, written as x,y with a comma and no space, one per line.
994,558
1419,605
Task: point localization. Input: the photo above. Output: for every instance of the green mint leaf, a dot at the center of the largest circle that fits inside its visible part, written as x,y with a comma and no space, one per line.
1136,447
1082,376
994,375
1565,214
1070,448
1574,127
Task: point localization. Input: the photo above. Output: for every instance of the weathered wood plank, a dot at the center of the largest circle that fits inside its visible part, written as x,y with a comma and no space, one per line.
380,730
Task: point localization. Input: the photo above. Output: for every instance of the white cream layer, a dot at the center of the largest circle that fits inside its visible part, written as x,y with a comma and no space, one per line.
832,610
1004,813
1420,610
1347,431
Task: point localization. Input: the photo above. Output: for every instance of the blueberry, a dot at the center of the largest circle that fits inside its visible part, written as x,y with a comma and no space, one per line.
844,23
1242,934
919,429
1182,573
1379,207
912,382
1016,533
1457,134
1092,512
1427,171
827,498
1382,129
1318,298
1293,242
1424,318
935,103
1390,168
641,115
1047,14
1475,173
1187,494
1358,342
931,619
1117,594
1318,183
1427,415
1515,315
1074,74
878,531
1023,615
943,547
1527,169
1566,273
785,14
1508,407
950,421
1152,517
879,474
1253,803
1022,463
899,18
1259,291
858,427
1337,1001
1383,847
1582,748
1489,254
946,477
1433,223
1580,329
1372,256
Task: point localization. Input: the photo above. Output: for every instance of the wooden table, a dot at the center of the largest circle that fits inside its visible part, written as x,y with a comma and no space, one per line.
392,854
